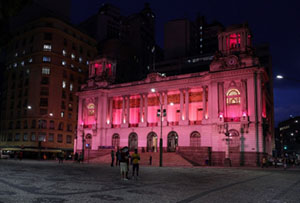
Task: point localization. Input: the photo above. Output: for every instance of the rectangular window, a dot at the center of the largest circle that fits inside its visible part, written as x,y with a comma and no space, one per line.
44,91
47,59
9,137
25,137
51,137
69,127
62,114
59,138
63,63
64,52
30,60
71,87
46,71
33,137
69,139
42,136
72,56
51,125
45,80
47,47
43,111
33,124
44,102
17,137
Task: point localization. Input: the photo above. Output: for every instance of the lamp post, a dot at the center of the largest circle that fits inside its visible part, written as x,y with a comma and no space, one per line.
227,134
160,113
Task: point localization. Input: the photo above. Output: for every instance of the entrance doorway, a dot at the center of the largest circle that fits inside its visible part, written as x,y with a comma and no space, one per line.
152,142
133,141
172,141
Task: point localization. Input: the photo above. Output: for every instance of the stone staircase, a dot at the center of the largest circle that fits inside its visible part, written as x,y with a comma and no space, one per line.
169,159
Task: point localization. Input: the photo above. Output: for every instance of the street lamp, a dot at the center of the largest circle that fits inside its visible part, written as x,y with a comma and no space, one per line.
227,134
161,112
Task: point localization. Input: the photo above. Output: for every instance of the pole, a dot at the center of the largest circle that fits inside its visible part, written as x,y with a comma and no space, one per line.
82,147
161,140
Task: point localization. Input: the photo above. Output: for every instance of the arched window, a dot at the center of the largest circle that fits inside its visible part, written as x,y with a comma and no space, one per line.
233,96
195,139
115,142
234,139
91,109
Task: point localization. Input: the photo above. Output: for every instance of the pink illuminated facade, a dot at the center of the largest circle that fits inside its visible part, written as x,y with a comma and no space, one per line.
200,107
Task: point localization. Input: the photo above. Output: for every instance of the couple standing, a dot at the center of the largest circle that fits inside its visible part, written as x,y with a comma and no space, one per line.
124,164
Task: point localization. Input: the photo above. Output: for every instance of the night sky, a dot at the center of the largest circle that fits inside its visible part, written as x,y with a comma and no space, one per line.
273,22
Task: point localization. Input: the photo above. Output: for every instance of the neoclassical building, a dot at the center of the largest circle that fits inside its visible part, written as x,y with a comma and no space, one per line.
224,113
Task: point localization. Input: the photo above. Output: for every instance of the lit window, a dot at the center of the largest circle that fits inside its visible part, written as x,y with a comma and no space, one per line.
63,84
30,60
233,97
22,63
62,114
71,87
46,71
201,39
73,56
15,65
201,27
16,54
47,47
72,66
64,52
80,59
201,45
63,63
27,71
91,109
79,70
87,62
46,59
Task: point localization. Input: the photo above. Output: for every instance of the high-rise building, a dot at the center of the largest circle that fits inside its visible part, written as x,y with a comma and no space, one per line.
288,137
46,62
128,39
189,46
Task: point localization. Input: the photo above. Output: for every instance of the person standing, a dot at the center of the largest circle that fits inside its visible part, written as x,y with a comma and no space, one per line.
118,157
123,165
135,163
112,158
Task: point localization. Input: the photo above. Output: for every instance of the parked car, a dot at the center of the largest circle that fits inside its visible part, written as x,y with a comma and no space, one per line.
4,154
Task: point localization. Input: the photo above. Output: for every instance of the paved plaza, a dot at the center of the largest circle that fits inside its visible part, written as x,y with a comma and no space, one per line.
48,181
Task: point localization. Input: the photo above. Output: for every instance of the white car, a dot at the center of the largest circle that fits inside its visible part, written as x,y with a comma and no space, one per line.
4,154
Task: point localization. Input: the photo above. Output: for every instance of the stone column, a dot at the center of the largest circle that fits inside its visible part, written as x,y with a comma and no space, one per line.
123,110
111,110
204,101
181,105
146,109
221,97
141,109
187,102
128,110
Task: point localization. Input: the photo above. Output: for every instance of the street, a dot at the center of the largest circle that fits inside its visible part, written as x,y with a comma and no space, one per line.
48,181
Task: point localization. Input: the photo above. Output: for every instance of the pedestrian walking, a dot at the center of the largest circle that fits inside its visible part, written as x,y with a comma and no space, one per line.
112,158
135,158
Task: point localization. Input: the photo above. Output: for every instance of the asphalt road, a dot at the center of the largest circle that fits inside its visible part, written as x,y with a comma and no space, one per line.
48,181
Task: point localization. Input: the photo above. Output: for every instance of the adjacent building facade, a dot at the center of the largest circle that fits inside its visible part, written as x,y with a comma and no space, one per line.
224,112
47,61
